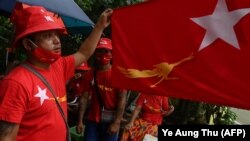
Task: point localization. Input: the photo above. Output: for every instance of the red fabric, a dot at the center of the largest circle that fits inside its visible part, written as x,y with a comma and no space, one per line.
161,31
39,118
104,43
139,129
152,107
108,95
83,66
76,87
34,19
88,80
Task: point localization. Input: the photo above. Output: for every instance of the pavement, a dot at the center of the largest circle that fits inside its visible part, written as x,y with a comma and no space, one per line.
243,116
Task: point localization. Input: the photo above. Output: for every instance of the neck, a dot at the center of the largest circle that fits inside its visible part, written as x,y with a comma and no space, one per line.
38,64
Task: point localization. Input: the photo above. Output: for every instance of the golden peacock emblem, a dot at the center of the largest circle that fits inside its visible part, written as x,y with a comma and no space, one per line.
161,70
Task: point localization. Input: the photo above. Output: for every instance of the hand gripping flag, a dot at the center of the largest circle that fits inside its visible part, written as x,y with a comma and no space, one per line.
196,49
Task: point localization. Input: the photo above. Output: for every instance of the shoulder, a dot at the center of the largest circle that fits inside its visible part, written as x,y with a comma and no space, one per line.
65,60
19,77
141,99
143,95
19,73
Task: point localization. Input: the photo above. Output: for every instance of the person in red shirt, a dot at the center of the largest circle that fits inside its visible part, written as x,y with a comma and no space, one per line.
104,97
28,111
75,87
151,108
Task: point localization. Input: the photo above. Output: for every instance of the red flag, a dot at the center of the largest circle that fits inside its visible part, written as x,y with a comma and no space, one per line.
195,49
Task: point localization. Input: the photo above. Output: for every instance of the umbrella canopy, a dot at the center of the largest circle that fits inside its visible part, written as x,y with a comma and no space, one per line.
72,15
6,7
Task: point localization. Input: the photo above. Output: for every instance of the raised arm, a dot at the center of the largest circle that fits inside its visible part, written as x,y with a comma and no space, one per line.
88,46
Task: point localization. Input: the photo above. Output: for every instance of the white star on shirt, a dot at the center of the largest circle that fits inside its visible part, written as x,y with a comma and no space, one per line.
41,94
221,25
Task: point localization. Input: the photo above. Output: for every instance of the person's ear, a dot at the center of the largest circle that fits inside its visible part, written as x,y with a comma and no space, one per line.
28,44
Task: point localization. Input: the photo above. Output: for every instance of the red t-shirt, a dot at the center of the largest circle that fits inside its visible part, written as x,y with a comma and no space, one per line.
25,100
152,107
108,94
75,85
79,85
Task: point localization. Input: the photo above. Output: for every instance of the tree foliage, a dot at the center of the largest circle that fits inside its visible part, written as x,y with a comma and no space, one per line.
193,112
93,8
6,33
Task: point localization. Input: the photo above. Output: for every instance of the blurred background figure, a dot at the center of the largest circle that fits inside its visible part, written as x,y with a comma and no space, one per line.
147,115
107,103
75,87
75,84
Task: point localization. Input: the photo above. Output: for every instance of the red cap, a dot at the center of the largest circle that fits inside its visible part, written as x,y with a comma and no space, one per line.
34,19
83,66
104,43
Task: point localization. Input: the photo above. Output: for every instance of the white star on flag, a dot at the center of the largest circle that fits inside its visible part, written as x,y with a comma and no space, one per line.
41,94
221,24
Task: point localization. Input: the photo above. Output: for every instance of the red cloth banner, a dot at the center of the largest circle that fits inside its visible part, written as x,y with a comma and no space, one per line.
191,49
